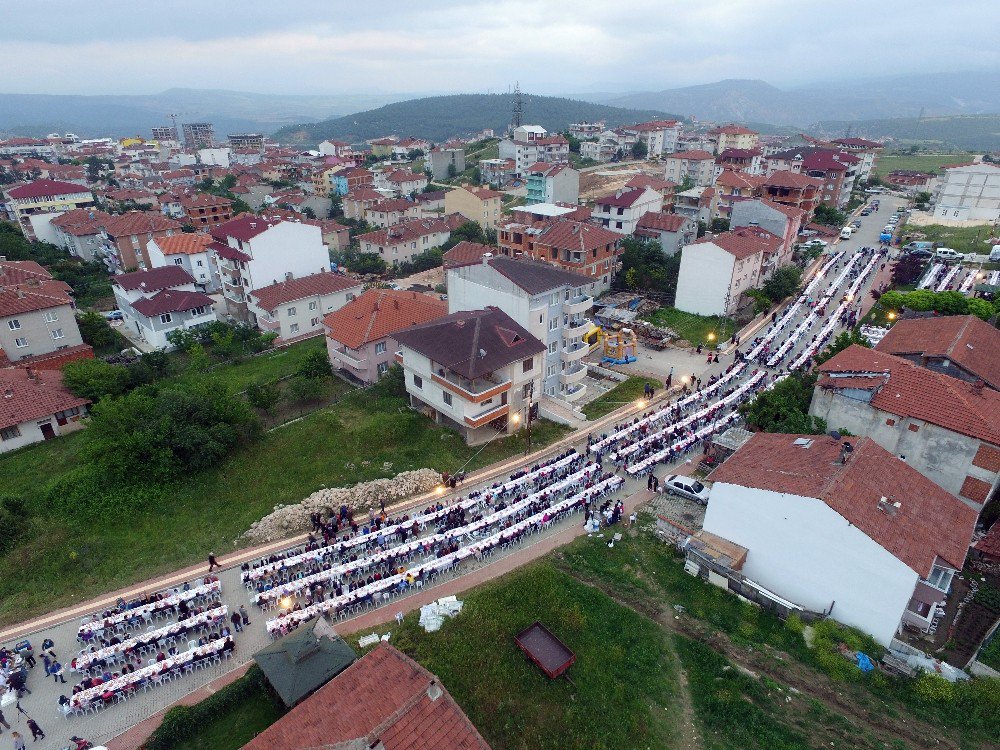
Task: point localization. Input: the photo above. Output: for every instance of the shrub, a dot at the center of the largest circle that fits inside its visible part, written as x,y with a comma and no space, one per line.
95,379
13,520
316,364
934,688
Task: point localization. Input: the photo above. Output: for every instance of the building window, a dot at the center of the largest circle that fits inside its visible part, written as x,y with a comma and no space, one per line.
383,368
526,390
178,261
380,347
529,365
940,578
418,382
314,322
199,264
291,312
553,323
293,328
165,318
56,334
14,324
446,397
312,305
553,345
20,343
10,433
51,317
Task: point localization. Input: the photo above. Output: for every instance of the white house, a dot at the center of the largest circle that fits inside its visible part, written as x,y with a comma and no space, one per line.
529,144
295,309
620,212
35,406
254,251
698,166
716,271
969,192
549,302
851,532
190,251
471,371
159,301
660,136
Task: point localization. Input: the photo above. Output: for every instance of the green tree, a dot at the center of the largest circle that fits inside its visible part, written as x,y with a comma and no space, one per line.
470,231
308,213
316,364
451,171
198,359
907,270
183,338
720,225
263,395
922,198
843,340
982,308
783,283
302,391
785,408
828,216
95,379
640,150
94,330
13,521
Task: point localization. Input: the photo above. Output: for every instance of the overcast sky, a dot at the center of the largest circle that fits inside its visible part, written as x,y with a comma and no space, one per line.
550,46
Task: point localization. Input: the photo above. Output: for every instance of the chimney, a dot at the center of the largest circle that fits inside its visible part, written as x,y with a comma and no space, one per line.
978,386
32,375
434,690
8,393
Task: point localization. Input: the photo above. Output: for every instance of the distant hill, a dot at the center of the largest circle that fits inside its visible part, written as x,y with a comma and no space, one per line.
963,132
742,100
118,115
437,118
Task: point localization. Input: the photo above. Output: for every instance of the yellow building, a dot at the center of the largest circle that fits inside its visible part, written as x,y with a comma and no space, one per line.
733,136
36,203
478,204
382,146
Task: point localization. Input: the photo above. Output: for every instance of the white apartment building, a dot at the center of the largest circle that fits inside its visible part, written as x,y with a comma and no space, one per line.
970,192
529,144
156,302
698,166
295,309
620,212
190,251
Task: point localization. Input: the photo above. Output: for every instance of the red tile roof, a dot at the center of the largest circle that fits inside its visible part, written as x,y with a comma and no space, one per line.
385,699
483,193
786,179
392,205
204,200
185,243
379,313
695,154
653,125
171,300
911,391
662,222
466,253
81,222
404,175
364,194
653,183
411,229
732,130
744,242
26,286
245,227
26,395
929,523
623,198
731,178
314,285
790,211
990,544
154,279
968,341
139,222
575,235
47,189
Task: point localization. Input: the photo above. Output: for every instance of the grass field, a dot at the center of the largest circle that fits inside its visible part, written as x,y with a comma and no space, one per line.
626,392
963,239
64,560
929,163
695,329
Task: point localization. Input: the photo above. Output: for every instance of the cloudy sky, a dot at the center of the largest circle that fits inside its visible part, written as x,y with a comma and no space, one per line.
550,46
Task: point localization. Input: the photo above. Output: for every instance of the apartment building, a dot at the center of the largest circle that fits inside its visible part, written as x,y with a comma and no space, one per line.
620,211
696,166
126,238
36,204
530,144
552,183
573,245
969,192
478,204
190,251
732,136
205,210
295,309
401,242
660,136
386,213
159,301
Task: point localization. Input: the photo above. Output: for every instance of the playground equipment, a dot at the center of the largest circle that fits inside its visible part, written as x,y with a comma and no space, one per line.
620,347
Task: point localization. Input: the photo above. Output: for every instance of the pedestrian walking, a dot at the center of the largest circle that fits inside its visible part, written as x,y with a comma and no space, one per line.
18,741
212,562
36,731
244,615
56,670
49,647
237,622
3,721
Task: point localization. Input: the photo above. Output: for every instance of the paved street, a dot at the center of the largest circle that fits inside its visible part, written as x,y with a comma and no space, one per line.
41,704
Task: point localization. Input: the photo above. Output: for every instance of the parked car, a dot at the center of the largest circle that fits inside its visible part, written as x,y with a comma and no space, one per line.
846,232
815,242
920,252
114,315
687,487
856,223
995,254
948,254
911,246
866,212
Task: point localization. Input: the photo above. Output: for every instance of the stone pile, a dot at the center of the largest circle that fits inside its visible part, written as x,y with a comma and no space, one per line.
287,520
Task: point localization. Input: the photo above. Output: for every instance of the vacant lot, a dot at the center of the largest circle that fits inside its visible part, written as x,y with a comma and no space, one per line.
696,329
963,239
929,163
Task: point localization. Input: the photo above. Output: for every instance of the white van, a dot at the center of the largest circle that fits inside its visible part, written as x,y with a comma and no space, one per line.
946,253
845,233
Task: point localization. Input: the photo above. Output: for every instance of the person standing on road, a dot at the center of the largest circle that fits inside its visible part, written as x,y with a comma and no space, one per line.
244,615
237,622
212,562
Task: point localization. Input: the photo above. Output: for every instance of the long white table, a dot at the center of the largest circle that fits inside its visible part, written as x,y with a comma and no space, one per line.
167,602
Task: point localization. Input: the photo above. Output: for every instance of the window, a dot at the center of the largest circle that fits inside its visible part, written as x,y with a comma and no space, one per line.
178,261
10,433
554,299
199,263
312,305
553,345
383,368
165,318
293,328
550,370
314,322
940,578
56,334
526,390
291,312
528,365
446,397
418,382
20,343
14,324
553,323
380,347
51,317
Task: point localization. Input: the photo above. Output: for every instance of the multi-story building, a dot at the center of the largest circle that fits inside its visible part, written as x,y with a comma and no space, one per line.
157,302
126,237
255,251
660,136
836,170
732,136
782,221
190,251
295,309
360,335
447,162
792,189
529,144
401,242
939,425
695,203
79,232
206,210
696,166
472,371
583,130
388,212
552,183
867,151
549,302
165,133
360,200
716,271
969,192
731,187
747,160
36,204
37,317
620,212
198,135
478,204
602,150
665,188
401,181
335,148
250,141
496,171
574,245
672,231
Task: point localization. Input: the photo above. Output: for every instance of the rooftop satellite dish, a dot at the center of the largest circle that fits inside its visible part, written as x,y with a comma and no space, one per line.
834,434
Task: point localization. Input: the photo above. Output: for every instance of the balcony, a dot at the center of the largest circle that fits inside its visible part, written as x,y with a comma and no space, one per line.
577,305
574,329
487,416
477,390
266,324
573,375
349,359
575,352
575,392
